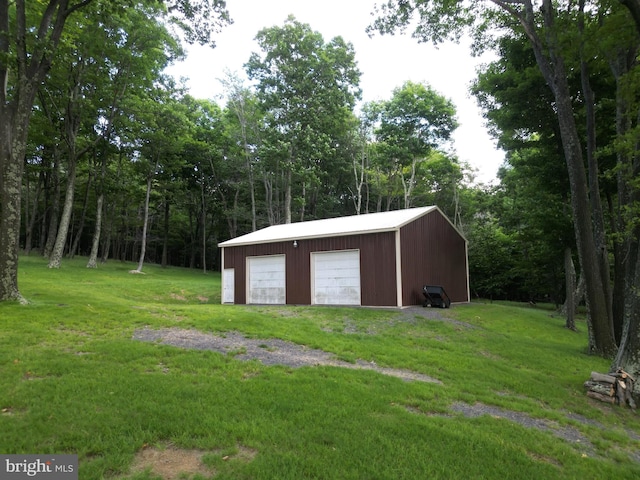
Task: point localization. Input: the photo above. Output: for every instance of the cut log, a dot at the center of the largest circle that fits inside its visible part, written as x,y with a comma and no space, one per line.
602,398
601,377
601,388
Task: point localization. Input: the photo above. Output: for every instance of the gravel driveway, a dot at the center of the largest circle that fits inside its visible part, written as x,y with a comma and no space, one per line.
268,351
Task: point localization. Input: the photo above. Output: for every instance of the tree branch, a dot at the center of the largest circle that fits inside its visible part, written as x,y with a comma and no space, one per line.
56,13
634,8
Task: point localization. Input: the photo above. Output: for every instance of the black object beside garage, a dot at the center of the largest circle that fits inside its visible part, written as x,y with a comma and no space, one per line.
435,296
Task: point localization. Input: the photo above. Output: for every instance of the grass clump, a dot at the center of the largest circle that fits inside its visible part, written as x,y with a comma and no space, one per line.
75,381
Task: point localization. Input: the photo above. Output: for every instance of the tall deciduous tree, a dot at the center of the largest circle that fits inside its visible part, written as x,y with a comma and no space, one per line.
308,87
163,124
412,124
244,124
202,152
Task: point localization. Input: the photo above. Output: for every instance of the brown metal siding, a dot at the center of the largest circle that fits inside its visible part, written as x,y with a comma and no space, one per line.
378,269
433,253
377,266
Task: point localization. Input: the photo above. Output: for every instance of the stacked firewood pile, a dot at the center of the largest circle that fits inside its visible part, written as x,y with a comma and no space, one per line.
613,387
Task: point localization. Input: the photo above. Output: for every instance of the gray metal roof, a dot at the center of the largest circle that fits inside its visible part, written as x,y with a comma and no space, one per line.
331,227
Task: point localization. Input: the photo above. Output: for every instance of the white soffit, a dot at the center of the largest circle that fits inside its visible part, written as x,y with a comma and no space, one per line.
331,227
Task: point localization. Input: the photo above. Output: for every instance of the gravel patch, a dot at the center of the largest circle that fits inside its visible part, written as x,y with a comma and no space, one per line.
268,351
411,315
569,434
594,423
584,420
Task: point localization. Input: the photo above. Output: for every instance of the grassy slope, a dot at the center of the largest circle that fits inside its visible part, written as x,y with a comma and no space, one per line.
73,381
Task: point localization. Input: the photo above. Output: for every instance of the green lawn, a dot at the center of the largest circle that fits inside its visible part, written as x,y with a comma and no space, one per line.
72,380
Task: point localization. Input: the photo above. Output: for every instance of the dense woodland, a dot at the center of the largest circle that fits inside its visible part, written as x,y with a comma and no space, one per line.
104,155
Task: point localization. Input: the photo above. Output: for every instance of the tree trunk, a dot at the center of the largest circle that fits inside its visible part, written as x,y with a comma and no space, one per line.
28,243
95,244
554,71
409,184
106,243
570,276
204,225
165,240
628,357
13,142
252,188
93,256
112,207
27,205
367,196
597,291
287,197
63,229
83,215
54,210
234,216
599,231
619,265
358,174
268,197
303,200
143,243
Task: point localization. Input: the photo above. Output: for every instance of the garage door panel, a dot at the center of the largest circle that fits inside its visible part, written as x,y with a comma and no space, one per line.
267,279
336,278
337,282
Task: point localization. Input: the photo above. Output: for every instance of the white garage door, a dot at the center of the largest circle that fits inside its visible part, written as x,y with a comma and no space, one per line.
266,279
336,278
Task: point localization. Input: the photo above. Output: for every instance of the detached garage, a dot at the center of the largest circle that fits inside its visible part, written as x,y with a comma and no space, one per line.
377,259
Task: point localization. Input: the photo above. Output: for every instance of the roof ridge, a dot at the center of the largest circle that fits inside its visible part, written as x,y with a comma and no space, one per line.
356,224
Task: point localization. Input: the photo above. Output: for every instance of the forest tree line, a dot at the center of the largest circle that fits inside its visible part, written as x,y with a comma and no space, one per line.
120,162
109,128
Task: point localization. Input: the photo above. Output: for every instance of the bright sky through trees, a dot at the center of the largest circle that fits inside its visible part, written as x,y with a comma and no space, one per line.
386,63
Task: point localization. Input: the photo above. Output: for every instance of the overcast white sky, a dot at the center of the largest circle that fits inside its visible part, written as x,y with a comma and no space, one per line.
386,62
